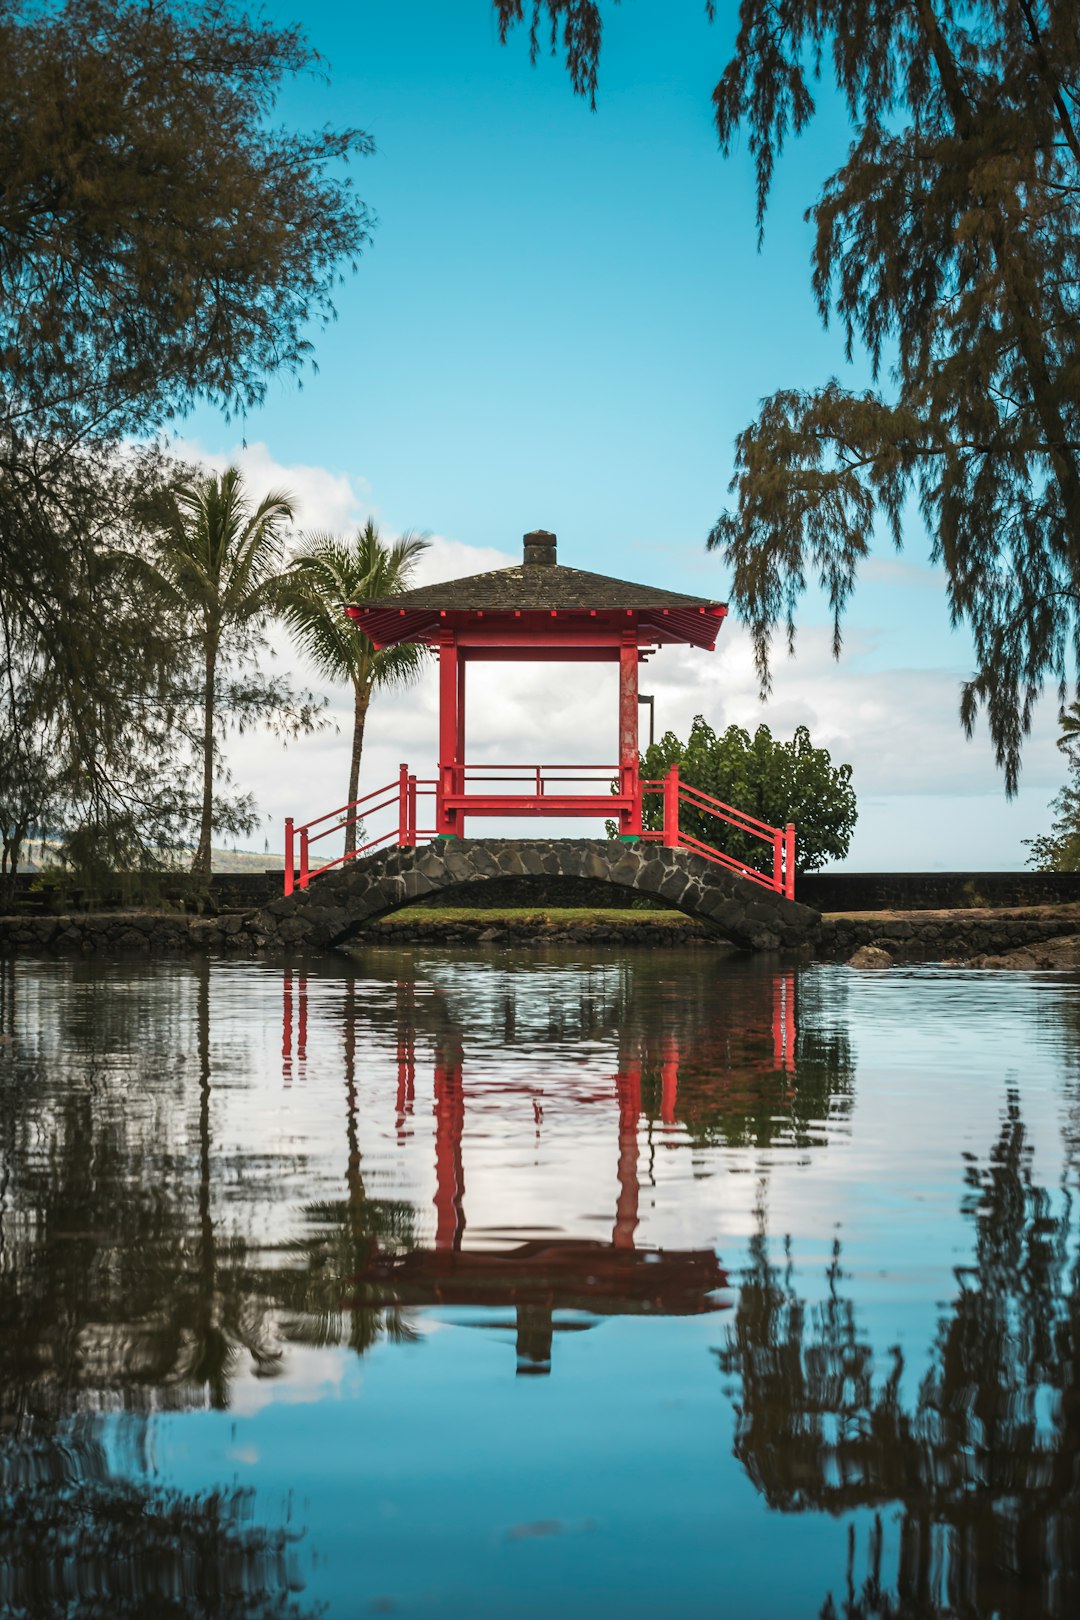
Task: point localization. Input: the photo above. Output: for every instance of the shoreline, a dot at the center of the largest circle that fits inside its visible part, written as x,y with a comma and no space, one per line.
978,936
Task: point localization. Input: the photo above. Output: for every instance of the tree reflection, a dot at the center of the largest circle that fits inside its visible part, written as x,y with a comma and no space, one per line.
346,1234
985,1465
77,1539
740,1064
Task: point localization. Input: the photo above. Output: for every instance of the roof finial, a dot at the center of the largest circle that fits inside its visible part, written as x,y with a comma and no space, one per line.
539,547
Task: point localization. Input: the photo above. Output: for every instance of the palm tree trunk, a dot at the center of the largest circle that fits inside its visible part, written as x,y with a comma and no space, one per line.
200,866
360,709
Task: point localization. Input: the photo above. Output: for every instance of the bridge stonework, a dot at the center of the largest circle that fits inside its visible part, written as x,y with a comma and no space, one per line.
339,903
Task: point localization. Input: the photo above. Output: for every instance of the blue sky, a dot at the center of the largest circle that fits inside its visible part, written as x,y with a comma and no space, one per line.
563,321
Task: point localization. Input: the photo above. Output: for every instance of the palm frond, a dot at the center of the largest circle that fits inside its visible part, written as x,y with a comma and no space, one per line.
329,571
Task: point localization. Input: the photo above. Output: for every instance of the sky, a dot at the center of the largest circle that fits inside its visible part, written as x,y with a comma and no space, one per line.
563,321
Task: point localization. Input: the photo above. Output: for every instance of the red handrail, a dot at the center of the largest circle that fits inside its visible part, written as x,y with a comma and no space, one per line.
405,790
782,839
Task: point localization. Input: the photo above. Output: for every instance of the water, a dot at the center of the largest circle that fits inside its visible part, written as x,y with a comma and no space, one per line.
479,1285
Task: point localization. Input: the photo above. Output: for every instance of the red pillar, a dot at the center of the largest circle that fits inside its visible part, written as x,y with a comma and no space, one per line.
669,1082
629,821
449,1168
628,1085
446,820
459,746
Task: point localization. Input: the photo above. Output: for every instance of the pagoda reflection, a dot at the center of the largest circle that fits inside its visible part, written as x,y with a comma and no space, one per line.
746,1065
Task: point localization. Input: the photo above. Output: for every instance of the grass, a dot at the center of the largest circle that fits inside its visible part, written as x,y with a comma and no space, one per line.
491,916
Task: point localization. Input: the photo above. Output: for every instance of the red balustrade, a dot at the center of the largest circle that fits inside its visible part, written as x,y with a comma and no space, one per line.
540,790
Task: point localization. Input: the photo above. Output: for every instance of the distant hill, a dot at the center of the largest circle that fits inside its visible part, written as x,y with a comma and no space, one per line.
221,860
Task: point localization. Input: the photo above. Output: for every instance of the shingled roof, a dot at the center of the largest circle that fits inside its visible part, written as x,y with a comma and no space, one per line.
538,584
527,588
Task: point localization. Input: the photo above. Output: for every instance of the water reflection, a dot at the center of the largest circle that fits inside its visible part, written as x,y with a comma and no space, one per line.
132,1242
77,1537
984,1462
218,1182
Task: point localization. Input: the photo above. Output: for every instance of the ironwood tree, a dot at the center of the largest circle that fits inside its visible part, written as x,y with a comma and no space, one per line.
163,240
1059,849
947,246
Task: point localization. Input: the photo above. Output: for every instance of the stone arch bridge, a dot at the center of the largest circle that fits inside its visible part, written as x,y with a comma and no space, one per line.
340,902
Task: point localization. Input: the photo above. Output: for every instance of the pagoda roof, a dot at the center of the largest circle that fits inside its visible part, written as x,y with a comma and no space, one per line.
543,587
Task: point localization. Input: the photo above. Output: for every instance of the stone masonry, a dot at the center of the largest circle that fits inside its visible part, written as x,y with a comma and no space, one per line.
339,903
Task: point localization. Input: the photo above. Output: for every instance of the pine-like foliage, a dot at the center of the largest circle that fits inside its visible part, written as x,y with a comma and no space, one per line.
328,572
1059,849
948,246
163,239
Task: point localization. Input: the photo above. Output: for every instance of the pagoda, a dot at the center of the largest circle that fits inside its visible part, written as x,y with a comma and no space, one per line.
538,611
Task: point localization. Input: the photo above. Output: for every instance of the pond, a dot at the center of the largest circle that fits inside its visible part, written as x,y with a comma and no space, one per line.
453,1284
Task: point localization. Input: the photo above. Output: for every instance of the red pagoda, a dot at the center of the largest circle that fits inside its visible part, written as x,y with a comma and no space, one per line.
538,611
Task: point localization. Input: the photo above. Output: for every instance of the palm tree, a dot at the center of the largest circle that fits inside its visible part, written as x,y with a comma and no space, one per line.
218,566
327,572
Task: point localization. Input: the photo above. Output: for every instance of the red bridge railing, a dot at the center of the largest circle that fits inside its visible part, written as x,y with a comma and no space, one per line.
779,880
402,795
545,794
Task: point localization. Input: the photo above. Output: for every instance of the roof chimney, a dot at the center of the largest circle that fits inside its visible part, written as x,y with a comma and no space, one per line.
539,547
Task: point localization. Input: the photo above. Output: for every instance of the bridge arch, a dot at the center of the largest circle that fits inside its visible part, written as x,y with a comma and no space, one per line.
340,902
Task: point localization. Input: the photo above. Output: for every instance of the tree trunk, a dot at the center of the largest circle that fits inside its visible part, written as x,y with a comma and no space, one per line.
360,708
200,866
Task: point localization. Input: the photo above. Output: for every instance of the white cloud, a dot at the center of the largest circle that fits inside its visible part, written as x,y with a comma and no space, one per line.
323,499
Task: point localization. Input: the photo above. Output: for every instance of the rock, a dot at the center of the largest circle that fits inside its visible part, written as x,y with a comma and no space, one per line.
870,956
1062,954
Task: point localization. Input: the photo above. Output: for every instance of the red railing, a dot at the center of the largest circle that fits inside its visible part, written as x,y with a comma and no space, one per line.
402,795
781,880
545,794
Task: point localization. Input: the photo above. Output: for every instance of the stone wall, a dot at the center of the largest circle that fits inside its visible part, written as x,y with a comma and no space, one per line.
936,939
907,939
934,891
823,891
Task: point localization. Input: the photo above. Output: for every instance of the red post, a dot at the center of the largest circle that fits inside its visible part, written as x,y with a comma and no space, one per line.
628,1088
459,752
446,821
289,858
303,858
671,807
669,1082
789,860
403,807
629,820
449,1169
778,861
412,812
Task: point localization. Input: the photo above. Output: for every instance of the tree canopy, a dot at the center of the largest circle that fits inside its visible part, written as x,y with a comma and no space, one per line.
948,248
775,781
163,240
328,571
1059,849
160,239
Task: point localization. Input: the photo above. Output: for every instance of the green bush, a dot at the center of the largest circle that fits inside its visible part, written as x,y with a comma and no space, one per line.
773,780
